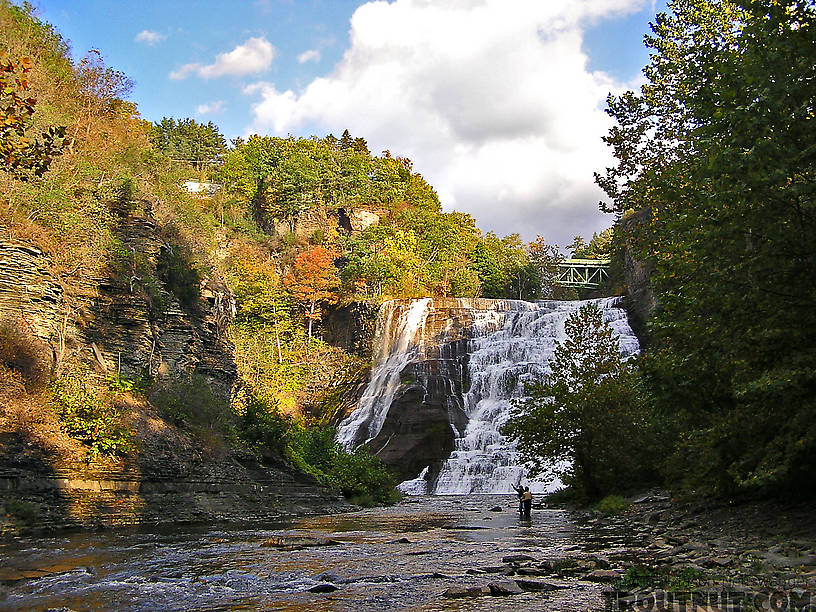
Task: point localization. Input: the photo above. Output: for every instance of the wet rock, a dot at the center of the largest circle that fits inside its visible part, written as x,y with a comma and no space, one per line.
297,542
504,587
456,593
532,571
459,592
330,577
440,576
467,528
497,509
475,572
402,541
535,586
493,569
601,575
517,558
323,588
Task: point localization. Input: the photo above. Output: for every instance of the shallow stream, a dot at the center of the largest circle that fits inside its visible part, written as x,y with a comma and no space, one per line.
397,558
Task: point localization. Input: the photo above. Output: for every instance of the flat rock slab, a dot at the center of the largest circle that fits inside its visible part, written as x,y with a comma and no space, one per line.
296,542
535,586
602,575
322,588
460,592
504,587
517,558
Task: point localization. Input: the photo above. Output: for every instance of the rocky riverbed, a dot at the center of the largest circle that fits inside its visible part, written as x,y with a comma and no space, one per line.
432,553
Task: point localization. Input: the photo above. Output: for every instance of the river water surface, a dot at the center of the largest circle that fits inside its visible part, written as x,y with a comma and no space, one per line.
397,558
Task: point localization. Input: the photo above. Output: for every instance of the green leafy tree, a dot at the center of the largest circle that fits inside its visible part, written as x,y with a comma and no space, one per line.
717,145
189,141
586,421
600,247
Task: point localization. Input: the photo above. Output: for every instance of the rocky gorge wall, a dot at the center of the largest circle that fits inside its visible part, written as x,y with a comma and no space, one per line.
640,298
113,325
110,322
173,484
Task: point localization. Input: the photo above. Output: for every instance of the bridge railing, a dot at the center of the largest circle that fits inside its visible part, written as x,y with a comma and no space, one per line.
583,273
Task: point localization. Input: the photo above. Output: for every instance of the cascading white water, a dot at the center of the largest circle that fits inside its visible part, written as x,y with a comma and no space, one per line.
397,331
511,343
501,362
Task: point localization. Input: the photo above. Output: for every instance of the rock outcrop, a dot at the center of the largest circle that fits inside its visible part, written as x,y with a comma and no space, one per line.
169,483
127,320
417,429
351,327
640,300
113,322
321,220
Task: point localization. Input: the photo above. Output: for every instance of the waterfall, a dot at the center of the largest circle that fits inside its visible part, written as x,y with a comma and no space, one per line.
501,363
395,346
509,343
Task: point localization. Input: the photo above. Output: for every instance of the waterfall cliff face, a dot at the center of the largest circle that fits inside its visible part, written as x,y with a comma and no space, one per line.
445,374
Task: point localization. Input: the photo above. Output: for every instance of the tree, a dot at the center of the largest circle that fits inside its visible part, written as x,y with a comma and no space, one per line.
584,421
102,88
544,259
600,247
19,152
190,141
313,281
717,145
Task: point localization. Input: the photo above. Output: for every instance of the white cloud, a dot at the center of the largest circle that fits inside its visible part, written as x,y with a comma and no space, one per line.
149,37
210,108
491,99
312,55
184,71
252,57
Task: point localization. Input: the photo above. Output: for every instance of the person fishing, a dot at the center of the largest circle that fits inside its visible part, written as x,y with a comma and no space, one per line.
526,503
520,492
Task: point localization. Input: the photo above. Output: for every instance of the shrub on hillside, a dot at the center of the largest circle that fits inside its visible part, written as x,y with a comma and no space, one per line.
191,401
263,428
87,418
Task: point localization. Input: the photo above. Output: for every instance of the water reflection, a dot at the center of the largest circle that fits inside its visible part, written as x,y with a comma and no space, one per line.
383,559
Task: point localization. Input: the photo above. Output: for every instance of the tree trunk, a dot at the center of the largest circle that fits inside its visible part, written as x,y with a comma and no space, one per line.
311,320
277,336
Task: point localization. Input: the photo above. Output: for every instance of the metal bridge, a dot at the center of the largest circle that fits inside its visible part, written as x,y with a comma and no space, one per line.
583,273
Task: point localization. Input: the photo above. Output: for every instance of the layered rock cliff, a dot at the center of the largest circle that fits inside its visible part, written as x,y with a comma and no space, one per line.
110,321
126,320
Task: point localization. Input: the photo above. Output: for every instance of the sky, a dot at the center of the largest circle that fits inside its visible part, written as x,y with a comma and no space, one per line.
498,103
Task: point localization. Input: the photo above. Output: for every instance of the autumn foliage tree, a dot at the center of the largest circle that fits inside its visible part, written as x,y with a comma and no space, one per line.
313,282
19,151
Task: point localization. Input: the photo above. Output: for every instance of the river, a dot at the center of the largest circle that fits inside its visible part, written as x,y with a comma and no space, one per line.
397,558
